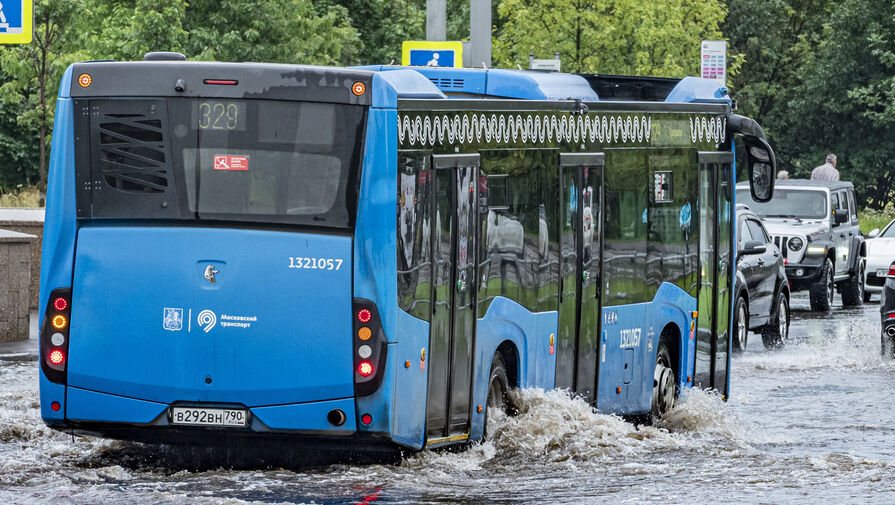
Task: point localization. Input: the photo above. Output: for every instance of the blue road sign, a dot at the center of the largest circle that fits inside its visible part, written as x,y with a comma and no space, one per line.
431,58
15,21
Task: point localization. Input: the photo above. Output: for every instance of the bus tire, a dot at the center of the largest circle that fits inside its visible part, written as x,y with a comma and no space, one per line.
498,386
776,333
822,290
664,384
740,326
853,288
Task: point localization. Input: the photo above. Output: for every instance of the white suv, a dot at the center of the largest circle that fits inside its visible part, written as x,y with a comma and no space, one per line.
815,225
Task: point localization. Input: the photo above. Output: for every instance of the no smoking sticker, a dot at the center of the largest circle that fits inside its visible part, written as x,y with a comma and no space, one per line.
230,162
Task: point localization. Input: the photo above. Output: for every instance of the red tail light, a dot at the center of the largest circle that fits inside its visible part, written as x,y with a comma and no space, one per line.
891,271
57,357
54,334
370,348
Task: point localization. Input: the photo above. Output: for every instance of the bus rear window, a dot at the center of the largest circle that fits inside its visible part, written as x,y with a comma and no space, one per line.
225,159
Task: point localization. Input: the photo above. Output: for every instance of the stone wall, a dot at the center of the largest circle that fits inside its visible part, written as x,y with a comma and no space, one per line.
15,284
30,222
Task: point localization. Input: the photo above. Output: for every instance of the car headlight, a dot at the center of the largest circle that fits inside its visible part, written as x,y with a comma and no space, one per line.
816,249
795,244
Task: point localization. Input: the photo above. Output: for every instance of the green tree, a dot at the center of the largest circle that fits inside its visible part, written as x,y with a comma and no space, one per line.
131,28
34,70
285,31
382,25
613,37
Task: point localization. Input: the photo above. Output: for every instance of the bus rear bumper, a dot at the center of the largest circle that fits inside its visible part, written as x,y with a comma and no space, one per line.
99,414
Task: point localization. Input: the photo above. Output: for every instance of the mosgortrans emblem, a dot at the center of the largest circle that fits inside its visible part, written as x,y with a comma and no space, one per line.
206,319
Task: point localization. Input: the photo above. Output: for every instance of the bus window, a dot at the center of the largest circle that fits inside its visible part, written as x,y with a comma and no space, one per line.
226,159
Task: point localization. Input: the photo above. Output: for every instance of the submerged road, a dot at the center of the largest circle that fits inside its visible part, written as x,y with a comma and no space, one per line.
813,421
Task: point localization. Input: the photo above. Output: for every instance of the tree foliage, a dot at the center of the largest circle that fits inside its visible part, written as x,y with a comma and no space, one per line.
819,77
610,37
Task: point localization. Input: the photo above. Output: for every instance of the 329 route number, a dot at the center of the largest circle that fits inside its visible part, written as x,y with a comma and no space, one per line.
315,263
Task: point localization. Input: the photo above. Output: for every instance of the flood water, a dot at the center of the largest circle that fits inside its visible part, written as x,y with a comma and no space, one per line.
813,421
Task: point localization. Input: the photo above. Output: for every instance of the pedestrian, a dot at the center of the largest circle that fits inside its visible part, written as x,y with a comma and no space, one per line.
783,174
827,171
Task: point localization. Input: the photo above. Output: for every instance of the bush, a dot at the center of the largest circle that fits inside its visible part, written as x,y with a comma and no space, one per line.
22,196
873,218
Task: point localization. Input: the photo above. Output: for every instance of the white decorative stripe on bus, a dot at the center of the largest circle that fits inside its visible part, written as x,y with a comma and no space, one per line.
538,128
469,127
709,129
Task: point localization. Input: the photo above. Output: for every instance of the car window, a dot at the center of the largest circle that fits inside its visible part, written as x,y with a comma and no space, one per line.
744,234
852,208
834,202
756,231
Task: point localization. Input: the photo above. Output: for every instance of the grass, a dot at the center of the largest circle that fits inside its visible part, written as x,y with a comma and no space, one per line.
871,218
27,196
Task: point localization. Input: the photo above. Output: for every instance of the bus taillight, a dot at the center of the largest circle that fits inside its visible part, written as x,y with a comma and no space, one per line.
369,346
54,333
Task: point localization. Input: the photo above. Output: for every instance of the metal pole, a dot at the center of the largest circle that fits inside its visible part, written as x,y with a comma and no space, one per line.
436,20
479,33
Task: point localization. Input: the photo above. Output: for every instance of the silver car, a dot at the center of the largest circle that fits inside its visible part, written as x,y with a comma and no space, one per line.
880,254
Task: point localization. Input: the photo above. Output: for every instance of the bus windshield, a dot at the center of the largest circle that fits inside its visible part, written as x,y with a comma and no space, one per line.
800,203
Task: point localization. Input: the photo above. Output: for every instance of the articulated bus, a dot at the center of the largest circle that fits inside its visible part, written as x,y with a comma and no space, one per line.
372,257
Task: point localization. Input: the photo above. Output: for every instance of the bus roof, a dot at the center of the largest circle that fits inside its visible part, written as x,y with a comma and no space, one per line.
536,85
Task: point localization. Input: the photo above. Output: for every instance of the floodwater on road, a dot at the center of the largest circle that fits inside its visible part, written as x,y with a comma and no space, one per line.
813,421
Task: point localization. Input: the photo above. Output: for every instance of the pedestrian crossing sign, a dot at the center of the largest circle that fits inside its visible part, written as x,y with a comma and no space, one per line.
16,21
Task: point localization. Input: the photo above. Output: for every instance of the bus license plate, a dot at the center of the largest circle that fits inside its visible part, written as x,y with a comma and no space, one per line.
208,417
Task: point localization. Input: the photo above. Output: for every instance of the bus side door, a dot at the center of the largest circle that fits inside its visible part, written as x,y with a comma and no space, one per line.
581,180
451,335
715,206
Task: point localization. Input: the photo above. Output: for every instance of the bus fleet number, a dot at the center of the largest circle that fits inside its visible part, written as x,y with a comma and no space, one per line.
315,263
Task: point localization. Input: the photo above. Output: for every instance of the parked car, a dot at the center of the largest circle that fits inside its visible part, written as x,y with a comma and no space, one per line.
880,254
887,313
761,302
815,225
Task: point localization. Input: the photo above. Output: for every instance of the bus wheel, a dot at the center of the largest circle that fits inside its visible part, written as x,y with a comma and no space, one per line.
498,385
664,384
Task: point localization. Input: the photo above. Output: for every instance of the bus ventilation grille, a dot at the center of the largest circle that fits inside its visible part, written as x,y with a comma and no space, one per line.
132,153
449,83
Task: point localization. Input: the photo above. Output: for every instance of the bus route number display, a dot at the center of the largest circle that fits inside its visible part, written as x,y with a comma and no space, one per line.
220,116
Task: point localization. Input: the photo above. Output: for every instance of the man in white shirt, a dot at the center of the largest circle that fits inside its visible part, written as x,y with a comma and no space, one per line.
827,171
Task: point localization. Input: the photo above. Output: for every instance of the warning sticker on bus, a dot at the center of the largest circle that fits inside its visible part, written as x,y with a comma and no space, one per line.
230,162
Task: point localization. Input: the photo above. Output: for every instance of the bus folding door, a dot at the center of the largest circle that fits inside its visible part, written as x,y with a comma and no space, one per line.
712,362
581,180
451,334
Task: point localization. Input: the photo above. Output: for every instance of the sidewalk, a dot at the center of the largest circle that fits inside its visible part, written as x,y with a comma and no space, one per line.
25,350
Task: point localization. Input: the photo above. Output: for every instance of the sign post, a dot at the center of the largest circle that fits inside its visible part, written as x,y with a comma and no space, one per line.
16,21
714,60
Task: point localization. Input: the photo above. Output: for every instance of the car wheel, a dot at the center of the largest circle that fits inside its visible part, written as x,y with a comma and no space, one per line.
740,326
887,346
853,288
822,290
498,385
776,333
664,384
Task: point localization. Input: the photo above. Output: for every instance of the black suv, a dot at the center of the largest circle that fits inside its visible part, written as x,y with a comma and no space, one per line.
762,291
887,314
815,225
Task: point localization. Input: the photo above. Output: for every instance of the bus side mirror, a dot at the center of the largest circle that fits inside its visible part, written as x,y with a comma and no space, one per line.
759,156
762,167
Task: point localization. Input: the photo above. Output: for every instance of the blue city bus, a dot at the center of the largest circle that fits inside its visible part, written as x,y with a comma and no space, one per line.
372,257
